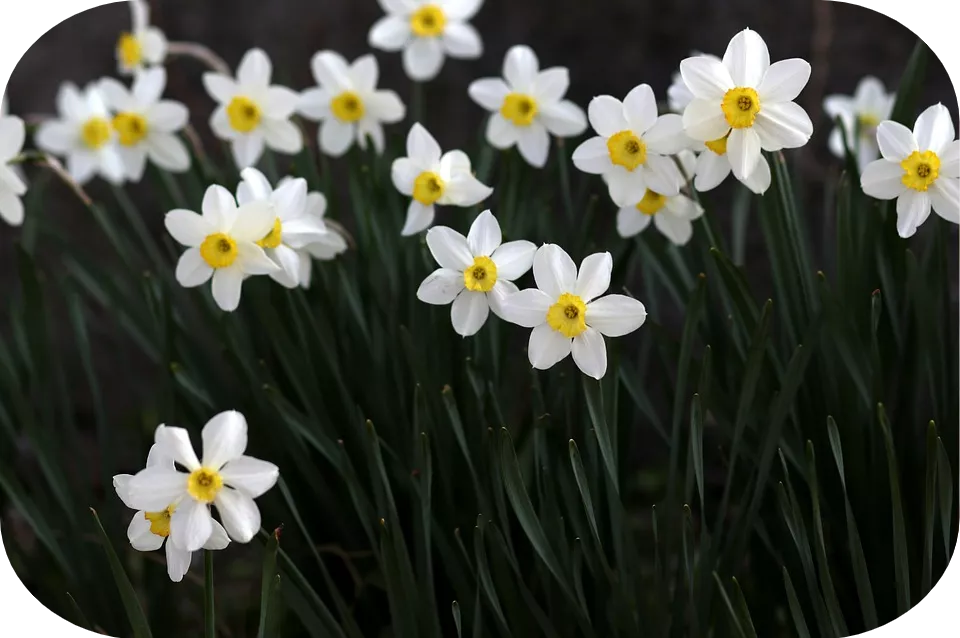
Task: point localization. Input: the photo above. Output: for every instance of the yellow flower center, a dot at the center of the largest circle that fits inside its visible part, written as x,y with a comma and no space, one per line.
920,170
718,146
651,203
428,188
218,250
204,484
160,521
519,109
740,106
347,107
627,150
274,237
96,132
868,121
131,127
129,50
244,114
568,316
481,276
428,21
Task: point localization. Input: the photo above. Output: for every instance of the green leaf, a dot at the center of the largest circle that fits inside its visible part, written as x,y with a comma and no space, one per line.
796,611
594,393
945,483
138,621
823,562
584,487
696,448
901,558
455,609
268,592
929,509
911,86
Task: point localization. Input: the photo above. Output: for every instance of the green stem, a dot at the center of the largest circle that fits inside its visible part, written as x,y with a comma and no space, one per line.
209,620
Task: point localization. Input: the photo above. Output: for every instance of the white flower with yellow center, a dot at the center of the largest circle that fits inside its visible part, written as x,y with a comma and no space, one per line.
433,179
427,31
146,126
324,246
476,272
12,186
292,228
921,169
222,244
527,106
633,146
252,113
83,134
713,166
671,215
348,104
747,100
859,116
144,45
148,531
225,478
566,314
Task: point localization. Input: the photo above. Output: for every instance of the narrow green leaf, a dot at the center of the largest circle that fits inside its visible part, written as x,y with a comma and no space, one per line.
796,611
911,86
268,575
594,393
209,610
734,616
79,618
945,484
696,448
583,485
746,622
455,609
138,621
901,559
929,509
820,550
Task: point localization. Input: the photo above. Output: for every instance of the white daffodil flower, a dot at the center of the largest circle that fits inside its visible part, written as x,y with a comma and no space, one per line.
222,244
671,215
921,169
144,45
476,272
325,246
146,126
252,113
83,134
348,104
292,228
747,100
431,178
527,106
225,478
566,314
427,31
859,115
12,186
633,146
148,530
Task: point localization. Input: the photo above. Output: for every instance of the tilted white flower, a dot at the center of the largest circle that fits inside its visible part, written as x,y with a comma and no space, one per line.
222,244
252,113
348,104
566,314
148,530
427,31
431,178
527,106
671,215
748,100
921,169
292,228
859,115
225,478
324,246
476,272
12,186
678,95
83,134
146,126
144,45
633,146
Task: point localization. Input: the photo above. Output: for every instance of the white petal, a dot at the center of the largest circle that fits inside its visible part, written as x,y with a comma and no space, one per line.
159,456
56,136
253,221
82,165
154,488
759,180
314,104
449,248
218,538
220,124
784,80
365,73
547,347
227,284
168,116
120,482
224,438
563,119
615,315
190,525
253,260
178,562
678,95
419,218
469,312
488,93
683,207
117,96
706,77
454,163
154,45
149,85
934,129
251,476
896,141
783,125
111,165
945,197
551,85
747,58
461,9
883,179
422,59
484,236
192,270
950,160
662,175
703,120
290,199
220,87
527,308
673,227
279,102
640,109
441,287
389,33
282,136
255,69
70,102
255,186
626,187
247,149
743,150
593,156
460,40
631,221
386,106
712,169
288,260
838,106
168,152
140,536
422,147
590,353
498,296
594,276
176,442
533,142
554,271
520,68
606,115
239,514
913,208
331,72
501,133
464,189
513,259
187,227
667,136
404,172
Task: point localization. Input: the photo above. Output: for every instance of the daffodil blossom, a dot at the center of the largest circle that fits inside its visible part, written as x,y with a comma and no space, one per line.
921,169
747,100
427,31
476,272
859,116
146,126
671,215
225,478
148,530
83,134
324,246
144,45
348,104
12,186
222,244
431,178
292,228
566,314
527,106
632,146
252,113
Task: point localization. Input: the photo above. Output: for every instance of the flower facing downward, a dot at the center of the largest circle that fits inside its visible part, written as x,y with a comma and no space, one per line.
348,103
225,478
324,246
431,178
671,215
527,106
222,244
12,186
476,272
148,530
143,45
859,116
566,314
747,100
427,31
921,169
252,113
